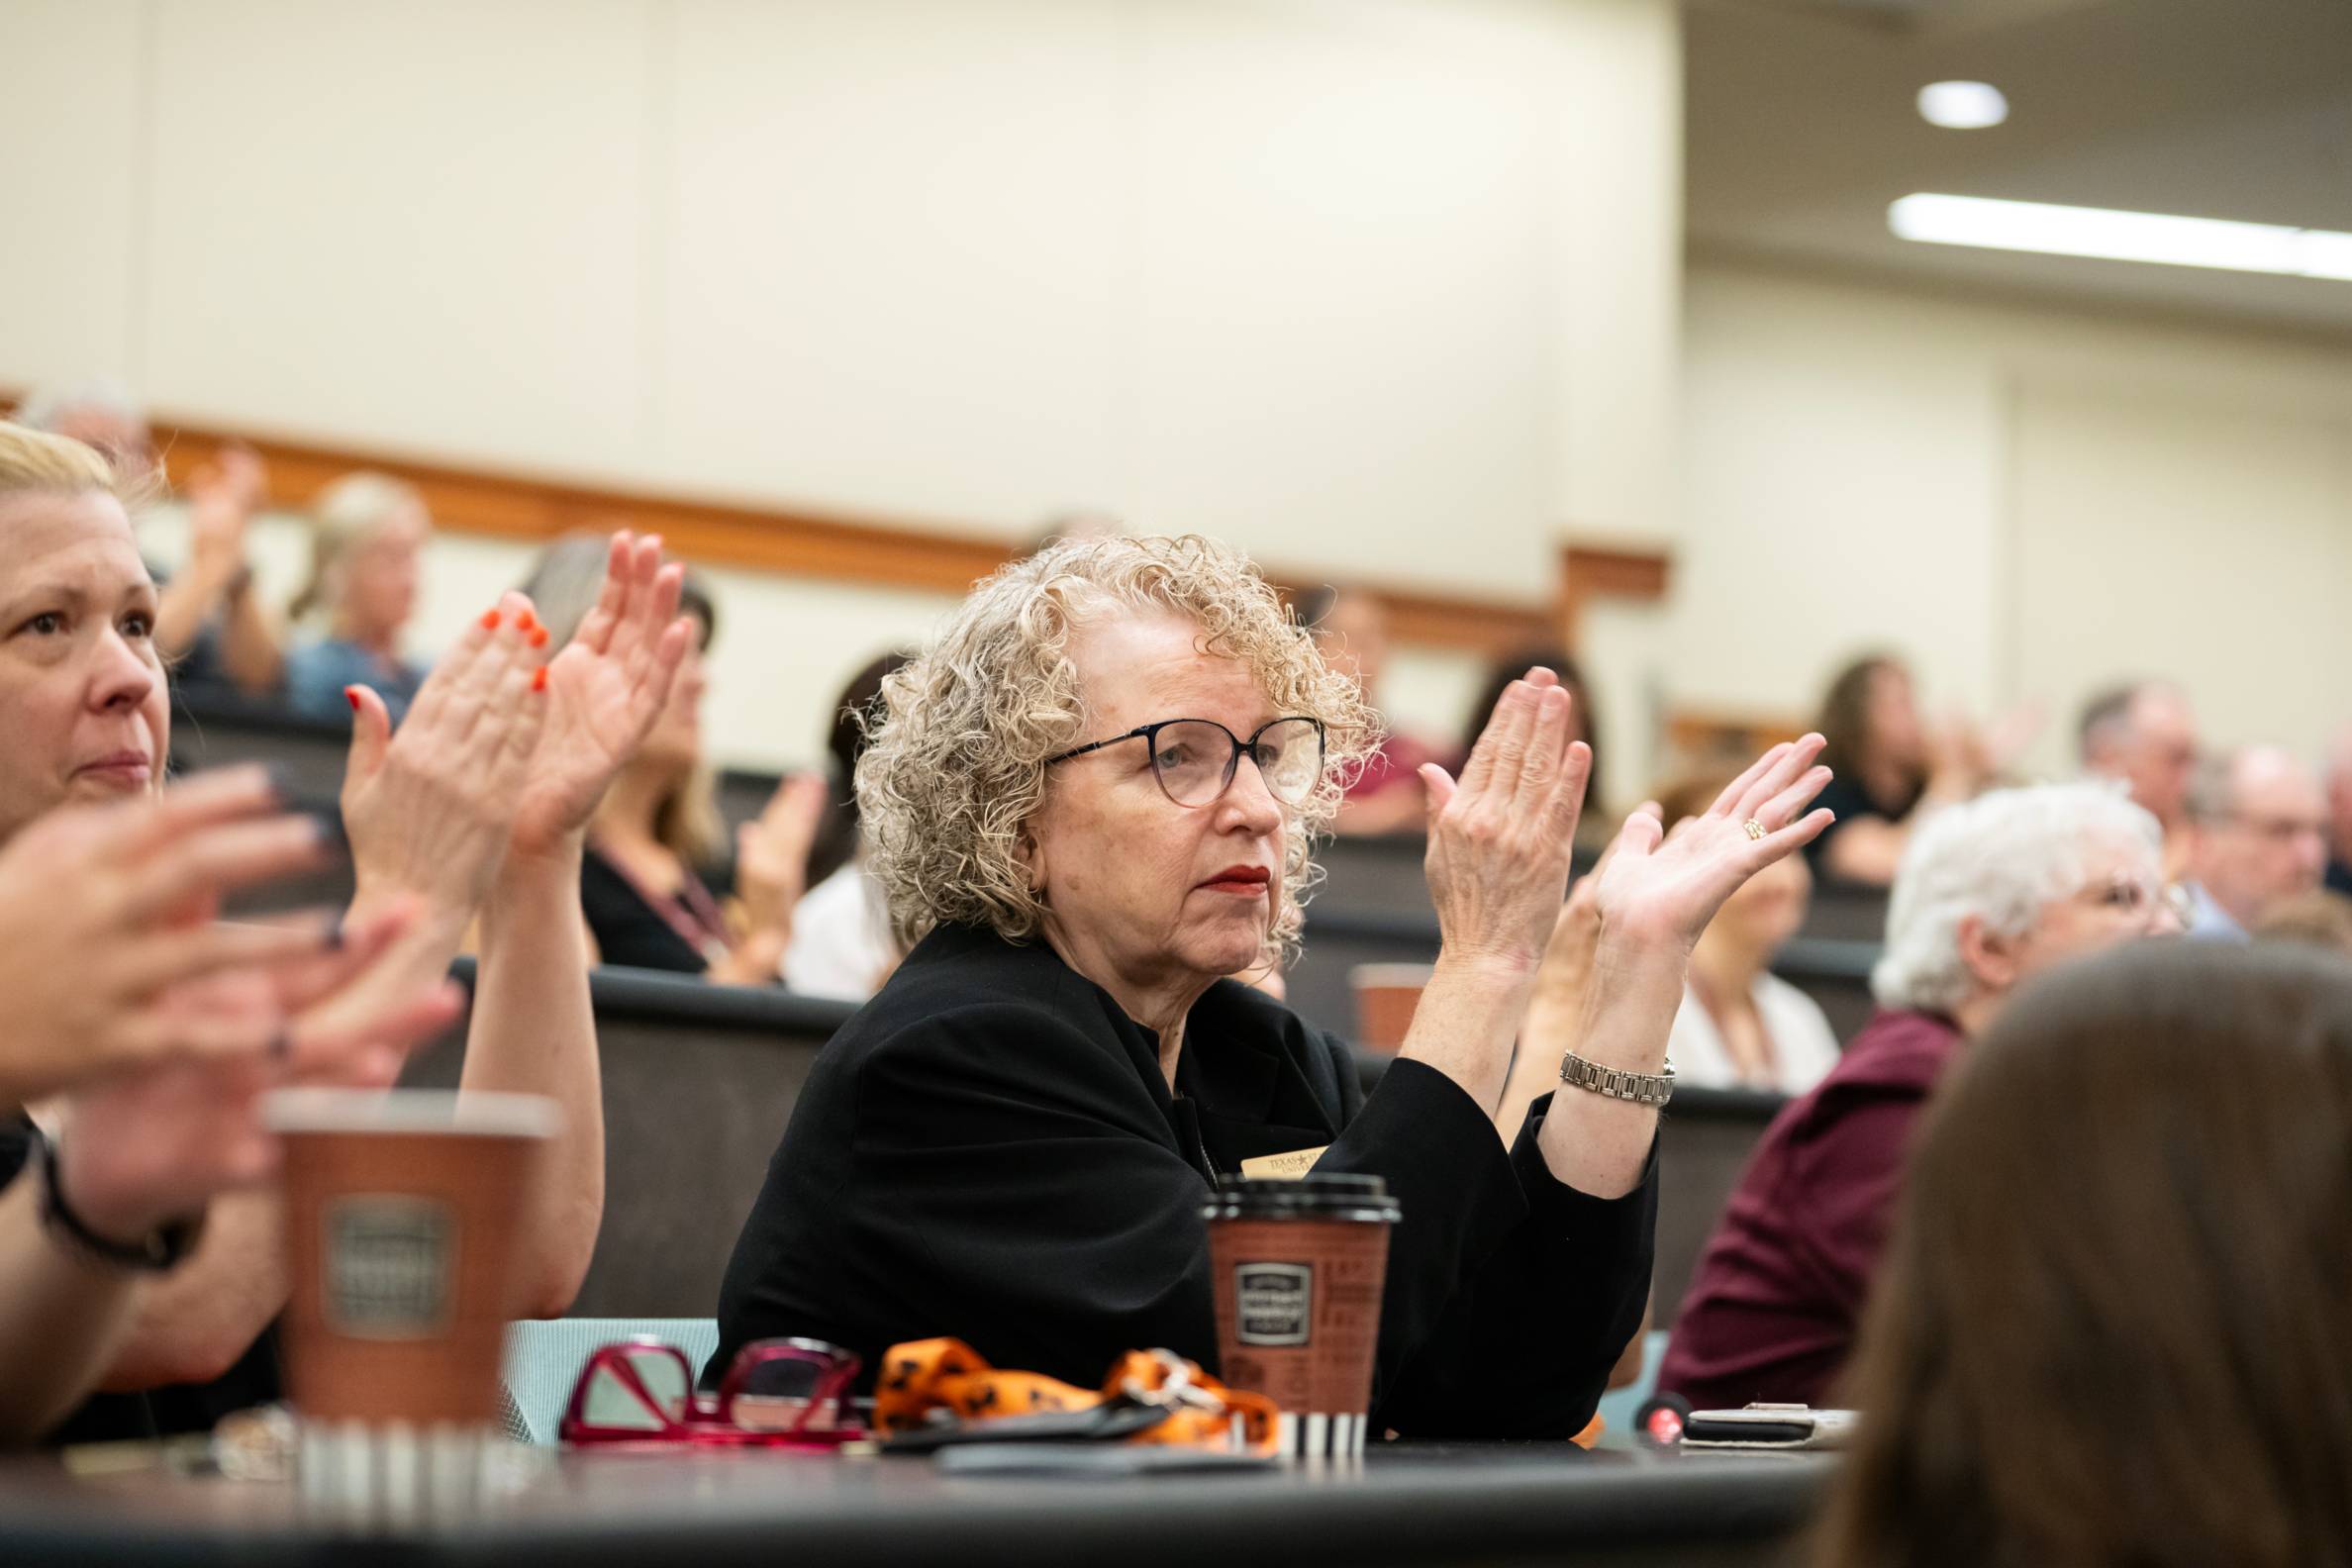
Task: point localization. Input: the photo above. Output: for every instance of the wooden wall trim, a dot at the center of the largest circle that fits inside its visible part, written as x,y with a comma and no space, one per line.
866,551
1601,572
517,507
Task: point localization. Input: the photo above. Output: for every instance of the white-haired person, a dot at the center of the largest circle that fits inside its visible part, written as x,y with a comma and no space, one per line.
472,815
368,533
210,626
1089,805
1990,893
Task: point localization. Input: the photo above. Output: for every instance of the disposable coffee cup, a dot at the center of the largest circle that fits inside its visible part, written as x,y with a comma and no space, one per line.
404,1209
1385,997
1299,1270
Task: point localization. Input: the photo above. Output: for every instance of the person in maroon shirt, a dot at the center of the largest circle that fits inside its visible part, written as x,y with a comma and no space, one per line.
1989,893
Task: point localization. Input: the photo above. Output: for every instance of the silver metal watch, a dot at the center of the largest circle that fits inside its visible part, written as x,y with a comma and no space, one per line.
1649,1089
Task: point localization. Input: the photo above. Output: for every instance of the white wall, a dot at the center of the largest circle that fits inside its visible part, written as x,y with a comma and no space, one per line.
1373,288
2029,502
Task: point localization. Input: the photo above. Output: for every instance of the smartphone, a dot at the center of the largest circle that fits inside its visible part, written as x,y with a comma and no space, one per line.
1768,1427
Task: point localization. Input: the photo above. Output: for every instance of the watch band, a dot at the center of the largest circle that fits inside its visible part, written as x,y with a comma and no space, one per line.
162,1249
1649,1089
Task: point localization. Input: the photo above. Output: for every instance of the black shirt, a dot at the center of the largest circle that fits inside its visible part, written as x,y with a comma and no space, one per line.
989,1149
255,1379
1852,804
629,930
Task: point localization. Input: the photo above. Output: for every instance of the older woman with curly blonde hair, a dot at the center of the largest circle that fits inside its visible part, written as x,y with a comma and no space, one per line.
1090,806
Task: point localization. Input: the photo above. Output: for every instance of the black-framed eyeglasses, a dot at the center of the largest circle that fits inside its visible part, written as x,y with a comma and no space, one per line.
1195,760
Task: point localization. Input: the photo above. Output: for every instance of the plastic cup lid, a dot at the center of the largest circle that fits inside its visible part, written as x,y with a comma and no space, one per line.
483,1113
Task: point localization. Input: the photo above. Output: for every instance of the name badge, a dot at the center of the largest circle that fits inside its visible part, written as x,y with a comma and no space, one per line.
1284,1167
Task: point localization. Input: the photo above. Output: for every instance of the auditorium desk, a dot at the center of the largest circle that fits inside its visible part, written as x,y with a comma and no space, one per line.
217,728
1490,1505
699,1081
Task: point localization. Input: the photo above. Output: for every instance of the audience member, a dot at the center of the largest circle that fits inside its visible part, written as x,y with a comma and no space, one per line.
1385,795
2339,811
1057,807
209,627
2112,1321
645,899
2320,919
1740,1026
1584,718
1892,771
1990,892
474,811
368,533
841,944
168,1032
2143,736
2259,836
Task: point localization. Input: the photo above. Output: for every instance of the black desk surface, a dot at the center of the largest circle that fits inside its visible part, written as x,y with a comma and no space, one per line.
1486,1504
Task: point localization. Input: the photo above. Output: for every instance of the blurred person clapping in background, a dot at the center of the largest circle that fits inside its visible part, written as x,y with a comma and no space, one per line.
640,882
1894,770
474,813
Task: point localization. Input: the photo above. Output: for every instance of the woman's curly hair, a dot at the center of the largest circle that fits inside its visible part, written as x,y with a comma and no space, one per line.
957,768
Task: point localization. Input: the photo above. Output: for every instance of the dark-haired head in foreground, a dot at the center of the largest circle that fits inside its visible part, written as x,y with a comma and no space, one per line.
2115,1324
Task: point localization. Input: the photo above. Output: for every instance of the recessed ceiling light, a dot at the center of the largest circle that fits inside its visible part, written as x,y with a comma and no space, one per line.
2123,236
1962,105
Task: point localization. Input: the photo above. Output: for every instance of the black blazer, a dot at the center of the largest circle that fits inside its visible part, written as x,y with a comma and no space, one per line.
989,1151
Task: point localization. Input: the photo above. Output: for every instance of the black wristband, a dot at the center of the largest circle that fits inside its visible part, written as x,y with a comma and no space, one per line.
162,1249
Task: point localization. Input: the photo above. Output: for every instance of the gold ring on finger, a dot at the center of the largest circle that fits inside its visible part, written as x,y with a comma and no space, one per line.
1755,828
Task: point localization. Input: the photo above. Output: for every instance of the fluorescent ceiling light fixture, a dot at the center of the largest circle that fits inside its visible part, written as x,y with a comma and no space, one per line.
2123,236
1962,105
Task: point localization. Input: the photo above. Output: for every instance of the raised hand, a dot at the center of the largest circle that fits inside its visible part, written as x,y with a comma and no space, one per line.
222,497
1500,839
429,809
772,852
156,1144
106,915
605,690
1661,894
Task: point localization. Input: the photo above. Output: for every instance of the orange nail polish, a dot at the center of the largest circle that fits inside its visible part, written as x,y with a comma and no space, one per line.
351,696
538,638
527,621
539,679
490,620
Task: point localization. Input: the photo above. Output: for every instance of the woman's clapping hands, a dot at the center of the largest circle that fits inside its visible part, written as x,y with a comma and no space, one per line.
505,749
1500,838
1659,888
110,957
604,692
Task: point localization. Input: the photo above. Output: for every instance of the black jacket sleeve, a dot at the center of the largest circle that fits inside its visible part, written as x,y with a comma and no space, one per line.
1510,1295
1525,1347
